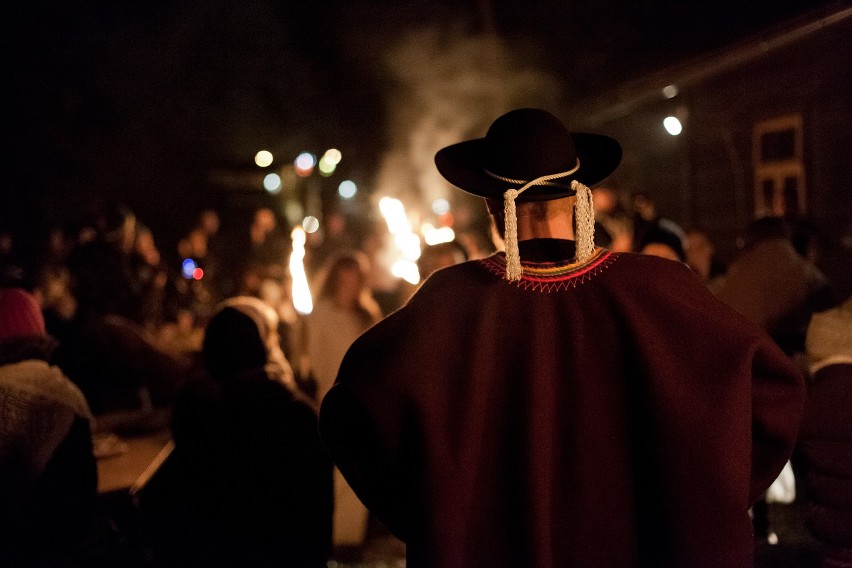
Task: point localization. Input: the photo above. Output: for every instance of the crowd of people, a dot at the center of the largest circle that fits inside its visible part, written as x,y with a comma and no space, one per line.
104,328
205,351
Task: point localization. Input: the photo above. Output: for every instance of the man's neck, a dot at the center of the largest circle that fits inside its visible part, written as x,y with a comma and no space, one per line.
555,227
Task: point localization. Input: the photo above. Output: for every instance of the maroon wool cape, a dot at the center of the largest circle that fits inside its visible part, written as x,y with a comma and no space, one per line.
606,414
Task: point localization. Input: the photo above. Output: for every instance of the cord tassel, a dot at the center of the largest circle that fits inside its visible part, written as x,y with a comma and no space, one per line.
514,270
584,215
513,255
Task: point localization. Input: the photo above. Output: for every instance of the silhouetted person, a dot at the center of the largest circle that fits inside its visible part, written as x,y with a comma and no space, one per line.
825,441
648,224
775,287
248,483
48,478
664,244
701,255
102,277
105,350
156,289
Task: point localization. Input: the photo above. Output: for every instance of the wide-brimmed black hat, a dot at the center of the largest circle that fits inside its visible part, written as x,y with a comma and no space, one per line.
523,145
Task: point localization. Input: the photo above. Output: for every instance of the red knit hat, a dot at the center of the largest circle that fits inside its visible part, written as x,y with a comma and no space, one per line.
20,315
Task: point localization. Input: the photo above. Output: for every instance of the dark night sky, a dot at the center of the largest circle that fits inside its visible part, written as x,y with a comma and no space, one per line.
138,100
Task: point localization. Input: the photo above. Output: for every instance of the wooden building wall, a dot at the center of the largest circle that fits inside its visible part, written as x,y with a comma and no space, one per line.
712,175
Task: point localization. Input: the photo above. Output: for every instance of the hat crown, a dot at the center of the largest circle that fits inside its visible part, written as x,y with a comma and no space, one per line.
525,144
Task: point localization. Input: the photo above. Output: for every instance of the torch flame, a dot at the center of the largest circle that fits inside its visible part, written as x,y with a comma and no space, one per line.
434,236
406,242
302,301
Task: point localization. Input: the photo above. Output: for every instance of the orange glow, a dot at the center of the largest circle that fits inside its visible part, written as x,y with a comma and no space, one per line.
302,301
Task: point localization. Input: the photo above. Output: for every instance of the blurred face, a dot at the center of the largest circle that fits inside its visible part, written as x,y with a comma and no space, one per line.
605,199
644,207
264,219
210,222
348,287
264,222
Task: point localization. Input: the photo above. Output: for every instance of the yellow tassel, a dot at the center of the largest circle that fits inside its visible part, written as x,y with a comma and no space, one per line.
584,216
514,271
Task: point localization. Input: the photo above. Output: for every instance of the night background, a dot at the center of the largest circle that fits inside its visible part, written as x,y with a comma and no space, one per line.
734,119
139,102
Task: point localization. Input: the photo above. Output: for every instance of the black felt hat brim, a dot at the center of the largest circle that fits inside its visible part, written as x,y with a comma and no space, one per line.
462,165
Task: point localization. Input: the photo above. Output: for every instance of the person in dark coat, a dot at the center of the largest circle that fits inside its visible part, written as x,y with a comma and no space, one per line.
561,405
825,443
103,349
248,483
773,285
48,476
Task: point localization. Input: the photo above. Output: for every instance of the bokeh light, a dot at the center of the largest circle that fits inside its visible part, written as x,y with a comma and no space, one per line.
672,125
407,270
263,158
347,189
440,206
197,274
326,168
310,224
305,163
188,268
409,244
670,91
333,156
434,236
272,183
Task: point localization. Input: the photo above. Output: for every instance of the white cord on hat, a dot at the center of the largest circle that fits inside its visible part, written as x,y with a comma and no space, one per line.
583,211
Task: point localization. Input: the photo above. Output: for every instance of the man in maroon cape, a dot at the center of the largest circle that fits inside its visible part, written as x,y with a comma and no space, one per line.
560,405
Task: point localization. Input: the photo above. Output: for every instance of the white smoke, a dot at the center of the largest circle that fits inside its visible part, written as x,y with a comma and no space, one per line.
450,87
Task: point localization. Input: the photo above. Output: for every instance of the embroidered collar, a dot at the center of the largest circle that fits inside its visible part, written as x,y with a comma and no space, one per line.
549,264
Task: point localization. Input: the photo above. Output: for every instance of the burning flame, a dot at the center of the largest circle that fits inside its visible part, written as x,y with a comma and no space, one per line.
434,236
406,242
302,300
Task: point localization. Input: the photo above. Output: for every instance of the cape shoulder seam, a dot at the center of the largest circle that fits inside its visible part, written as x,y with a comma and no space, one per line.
552,276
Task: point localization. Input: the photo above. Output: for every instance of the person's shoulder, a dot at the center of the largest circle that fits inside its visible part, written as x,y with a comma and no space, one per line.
652,269
659,283
47,382
470,274
262,386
